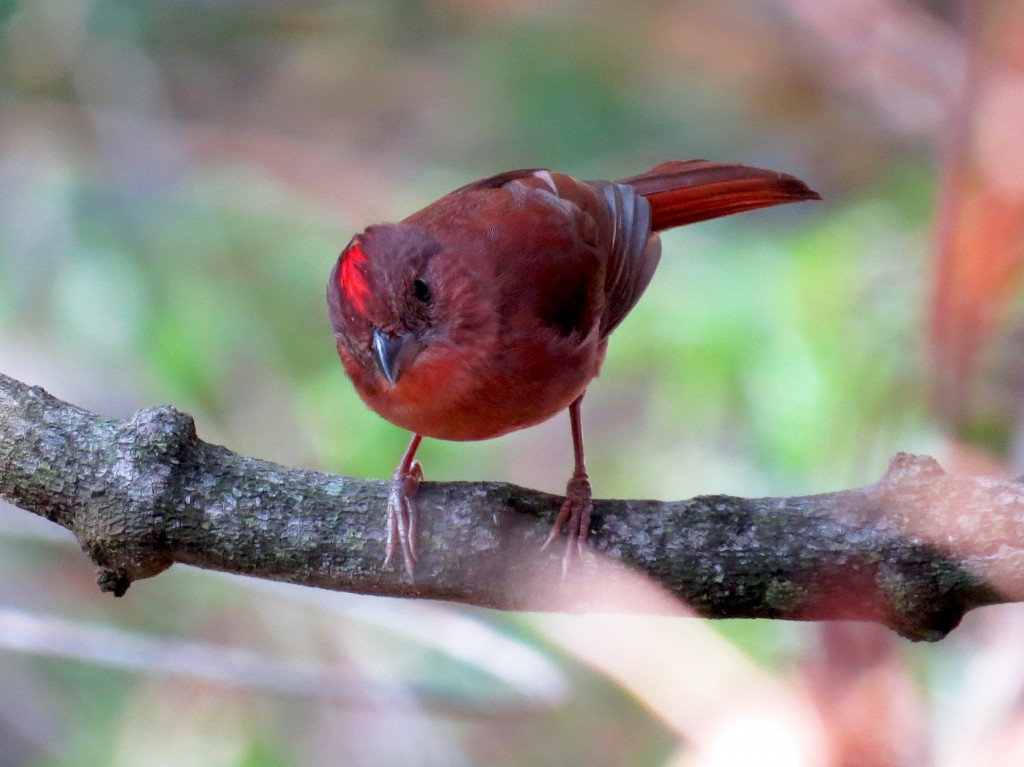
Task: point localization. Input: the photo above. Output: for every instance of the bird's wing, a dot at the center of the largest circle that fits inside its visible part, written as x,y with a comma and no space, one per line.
633,250
613,219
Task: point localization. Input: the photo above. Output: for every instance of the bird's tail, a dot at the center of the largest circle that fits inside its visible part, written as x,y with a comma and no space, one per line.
682,192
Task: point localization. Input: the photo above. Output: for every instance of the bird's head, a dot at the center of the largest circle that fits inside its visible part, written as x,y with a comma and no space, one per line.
382,299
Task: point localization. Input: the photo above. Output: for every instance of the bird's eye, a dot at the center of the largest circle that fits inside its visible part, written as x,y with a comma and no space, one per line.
421,291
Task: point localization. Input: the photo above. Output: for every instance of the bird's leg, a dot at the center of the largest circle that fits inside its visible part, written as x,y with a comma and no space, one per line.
575,513
401,521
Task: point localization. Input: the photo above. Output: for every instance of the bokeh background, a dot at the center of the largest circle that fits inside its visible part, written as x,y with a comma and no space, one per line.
176,179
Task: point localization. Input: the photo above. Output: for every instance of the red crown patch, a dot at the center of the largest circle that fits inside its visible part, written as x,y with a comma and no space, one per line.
352,276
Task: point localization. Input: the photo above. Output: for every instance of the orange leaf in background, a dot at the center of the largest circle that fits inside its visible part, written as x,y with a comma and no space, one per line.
980,228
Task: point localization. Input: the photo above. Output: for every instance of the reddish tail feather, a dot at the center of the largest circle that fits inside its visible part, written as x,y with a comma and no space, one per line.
683,192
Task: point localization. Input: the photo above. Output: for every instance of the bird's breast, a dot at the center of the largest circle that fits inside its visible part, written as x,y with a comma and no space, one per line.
465,397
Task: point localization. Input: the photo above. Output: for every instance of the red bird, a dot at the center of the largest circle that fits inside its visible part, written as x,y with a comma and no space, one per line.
490,310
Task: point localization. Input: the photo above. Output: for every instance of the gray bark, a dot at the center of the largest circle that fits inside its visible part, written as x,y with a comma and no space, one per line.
914,551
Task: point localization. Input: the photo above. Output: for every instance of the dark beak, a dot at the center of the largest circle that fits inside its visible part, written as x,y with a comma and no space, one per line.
394,353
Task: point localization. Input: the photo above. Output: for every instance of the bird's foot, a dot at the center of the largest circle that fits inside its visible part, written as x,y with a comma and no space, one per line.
574,518
401,523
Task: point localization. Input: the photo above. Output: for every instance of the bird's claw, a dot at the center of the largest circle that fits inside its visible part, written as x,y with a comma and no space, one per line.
574,518
402,516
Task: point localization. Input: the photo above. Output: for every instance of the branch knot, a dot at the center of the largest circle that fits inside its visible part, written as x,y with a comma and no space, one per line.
126,533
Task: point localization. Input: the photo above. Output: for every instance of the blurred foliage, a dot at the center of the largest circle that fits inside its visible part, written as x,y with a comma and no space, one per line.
176,180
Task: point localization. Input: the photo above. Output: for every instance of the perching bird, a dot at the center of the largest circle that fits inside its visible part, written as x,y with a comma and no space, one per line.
490,310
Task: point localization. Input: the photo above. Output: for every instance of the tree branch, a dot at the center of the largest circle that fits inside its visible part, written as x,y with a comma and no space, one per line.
914,551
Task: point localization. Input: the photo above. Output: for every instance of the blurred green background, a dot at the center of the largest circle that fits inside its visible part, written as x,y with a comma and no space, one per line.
176,180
